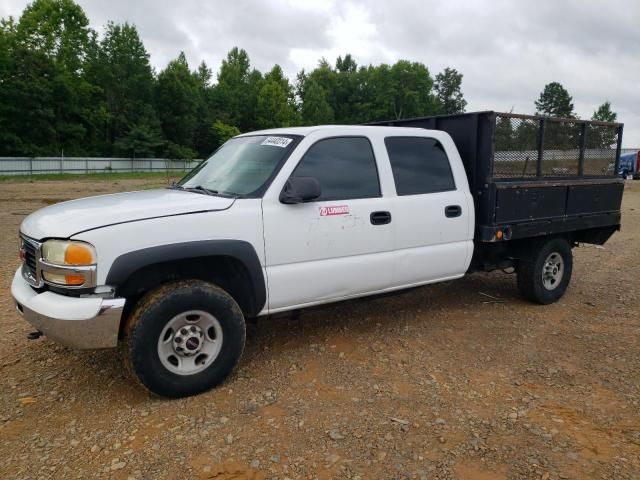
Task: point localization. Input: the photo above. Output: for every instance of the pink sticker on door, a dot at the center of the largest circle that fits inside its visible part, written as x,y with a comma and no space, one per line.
330,210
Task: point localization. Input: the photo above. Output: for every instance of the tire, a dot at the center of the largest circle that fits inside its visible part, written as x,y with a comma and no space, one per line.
184,338
545,278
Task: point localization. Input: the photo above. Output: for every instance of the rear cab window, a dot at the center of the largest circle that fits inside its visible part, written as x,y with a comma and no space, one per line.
420,165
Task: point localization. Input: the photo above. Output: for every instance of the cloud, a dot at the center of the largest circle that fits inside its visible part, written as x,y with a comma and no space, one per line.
506,50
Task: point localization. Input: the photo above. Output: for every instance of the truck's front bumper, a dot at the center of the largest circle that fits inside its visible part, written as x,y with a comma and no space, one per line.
89,322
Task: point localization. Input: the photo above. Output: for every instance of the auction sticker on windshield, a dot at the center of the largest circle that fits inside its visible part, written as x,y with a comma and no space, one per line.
277,141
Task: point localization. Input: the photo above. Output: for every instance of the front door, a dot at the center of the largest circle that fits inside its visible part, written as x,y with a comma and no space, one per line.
337,246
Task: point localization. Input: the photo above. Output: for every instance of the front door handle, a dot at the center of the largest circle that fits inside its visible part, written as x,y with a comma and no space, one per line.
452,211
380,218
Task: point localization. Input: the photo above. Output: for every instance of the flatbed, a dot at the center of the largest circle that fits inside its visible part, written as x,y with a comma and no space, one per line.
534,176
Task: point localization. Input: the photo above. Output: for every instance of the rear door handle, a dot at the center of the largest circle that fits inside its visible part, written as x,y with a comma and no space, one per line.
452,211
380,218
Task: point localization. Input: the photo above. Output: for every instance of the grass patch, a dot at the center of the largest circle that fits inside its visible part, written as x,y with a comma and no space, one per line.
94,176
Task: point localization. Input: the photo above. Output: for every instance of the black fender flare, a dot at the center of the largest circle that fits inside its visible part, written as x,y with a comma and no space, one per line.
127,264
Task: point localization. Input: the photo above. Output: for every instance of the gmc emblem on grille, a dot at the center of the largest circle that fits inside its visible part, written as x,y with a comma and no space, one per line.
29,276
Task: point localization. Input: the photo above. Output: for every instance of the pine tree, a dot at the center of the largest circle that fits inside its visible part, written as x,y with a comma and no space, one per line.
555,101
177,107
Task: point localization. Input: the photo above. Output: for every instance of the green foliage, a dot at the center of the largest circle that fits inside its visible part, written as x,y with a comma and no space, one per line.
555,101
599,136
179,152
10,141
63,89
315,109
224,132
513,134
348,94
143,139
204,141
57,29
274,105
237,90
177,98
402,90
121,69
51,104
604,113
411,90
448,92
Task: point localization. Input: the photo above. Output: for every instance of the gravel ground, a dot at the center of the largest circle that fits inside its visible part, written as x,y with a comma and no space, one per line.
439,382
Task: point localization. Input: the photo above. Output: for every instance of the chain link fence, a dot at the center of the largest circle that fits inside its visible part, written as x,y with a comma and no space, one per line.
528,146
516,147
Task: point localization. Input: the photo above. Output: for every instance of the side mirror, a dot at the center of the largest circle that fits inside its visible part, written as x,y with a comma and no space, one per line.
300,190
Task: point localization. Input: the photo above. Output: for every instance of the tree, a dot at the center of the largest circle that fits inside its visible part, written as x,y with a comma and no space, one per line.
504,135
237,90
64,90
448,92
122,70
347,92
55,102
323,77
205,140
601,136
177,98
58,29
10,140
224,132
555,101
204,75
143,139
275,105
411,90
604,113
315,109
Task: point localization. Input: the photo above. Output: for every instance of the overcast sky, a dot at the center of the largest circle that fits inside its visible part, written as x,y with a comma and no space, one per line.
507,50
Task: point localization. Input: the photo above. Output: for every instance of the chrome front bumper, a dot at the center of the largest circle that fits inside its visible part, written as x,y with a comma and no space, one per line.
87,322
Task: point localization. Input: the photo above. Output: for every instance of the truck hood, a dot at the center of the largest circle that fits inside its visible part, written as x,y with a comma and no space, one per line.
69,218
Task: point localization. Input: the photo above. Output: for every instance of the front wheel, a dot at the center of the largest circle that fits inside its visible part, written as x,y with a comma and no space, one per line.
184,338
545,277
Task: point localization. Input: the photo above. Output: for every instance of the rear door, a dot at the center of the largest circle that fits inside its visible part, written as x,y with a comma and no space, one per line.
337,246
433,211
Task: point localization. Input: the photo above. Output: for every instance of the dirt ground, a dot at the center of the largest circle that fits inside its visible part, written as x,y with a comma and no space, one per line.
441,382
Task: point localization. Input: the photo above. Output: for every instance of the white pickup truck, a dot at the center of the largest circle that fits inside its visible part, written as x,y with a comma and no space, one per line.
275,220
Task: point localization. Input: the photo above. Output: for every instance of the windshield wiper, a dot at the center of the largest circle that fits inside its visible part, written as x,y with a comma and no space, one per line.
201,189
196,189
204,191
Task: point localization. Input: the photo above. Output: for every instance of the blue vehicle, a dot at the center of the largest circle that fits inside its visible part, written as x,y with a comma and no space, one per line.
630,165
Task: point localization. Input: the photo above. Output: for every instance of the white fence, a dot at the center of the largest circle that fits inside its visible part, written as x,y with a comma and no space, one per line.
39,165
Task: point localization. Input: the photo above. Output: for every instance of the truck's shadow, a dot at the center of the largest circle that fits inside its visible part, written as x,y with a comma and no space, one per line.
364,314
269,338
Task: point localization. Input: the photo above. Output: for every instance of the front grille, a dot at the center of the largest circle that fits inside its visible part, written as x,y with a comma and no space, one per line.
31,251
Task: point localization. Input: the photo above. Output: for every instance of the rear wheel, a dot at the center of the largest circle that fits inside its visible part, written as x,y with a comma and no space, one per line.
184,338
545,277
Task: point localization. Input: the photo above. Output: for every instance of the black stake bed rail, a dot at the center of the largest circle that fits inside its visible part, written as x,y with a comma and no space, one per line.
532,176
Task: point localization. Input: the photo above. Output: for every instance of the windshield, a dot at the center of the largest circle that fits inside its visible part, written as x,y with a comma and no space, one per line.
242,166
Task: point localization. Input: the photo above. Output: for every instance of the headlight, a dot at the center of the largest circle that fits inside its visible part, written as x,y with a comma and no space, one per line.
70,254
